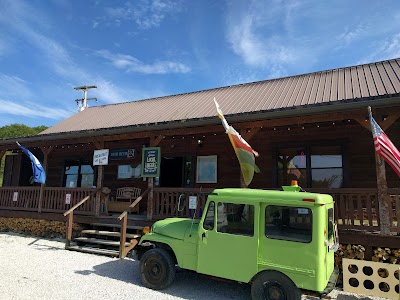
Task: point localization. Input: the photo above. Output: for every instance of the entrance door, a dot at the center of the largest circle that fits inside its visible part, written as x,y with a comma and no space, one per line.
12,170
229,244
171,172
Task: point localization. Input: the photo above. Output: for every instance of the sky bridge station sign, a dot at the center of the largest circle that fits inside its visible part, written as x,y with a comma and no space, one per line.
123,154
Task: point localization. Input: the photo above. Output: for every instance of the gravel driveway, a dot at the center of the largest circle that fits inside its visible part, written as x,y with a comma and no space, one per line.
37,268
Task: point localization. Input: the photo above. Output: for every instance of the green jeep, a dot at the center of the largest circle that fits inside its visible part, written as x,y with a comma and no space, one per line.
278,241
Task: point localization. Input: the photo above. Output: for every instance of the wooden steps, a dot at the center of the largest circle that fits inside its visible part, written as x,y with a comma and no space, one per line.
109,233
132,227
83,239
86,249
104,239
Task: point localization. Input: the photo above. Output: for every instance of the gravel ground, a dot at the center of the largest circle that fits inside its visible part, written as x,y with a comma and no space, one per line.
37,268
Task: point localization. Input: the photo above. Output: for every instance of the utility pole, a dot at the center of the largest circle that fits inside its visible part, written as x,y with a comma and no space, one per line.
82,103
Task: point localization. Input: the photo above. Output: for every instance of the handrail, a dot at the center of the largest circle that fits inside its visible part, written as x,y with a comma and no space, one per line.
123,250
133,204
76,205
70,214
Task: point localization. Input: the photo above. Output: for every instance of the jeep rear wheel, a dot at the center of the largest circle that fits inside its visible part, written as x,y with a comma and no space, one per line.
274,286
157,269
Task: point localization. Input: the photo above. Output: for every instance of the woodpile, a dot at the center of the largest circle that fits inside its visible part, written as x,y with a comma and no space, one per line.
385,255
42,228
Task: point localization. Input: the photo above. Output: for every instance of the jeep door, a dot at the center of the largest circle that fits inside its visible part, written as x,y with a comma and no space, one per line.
228,240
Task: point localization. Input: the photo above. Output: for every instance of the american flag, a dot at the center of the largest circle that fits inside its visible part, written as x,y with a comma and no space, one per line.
384,147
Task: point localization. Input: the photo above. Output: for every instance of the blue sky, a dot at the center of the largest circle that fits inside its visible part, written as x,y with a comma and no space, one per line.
142,49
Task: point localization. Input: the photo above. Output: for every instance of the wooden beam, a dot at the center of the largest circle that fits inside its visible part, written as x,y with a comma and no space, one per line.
388,121
249,133
98,144
364,123
155,140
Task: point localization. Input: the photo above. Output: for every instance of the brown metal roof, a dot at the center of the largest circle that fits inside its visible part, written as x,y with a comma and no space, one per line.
380,80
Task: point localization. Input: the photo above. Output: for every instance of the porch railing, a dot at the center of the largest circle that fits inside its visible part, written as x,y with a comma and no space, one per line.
354,208
54,200
165,202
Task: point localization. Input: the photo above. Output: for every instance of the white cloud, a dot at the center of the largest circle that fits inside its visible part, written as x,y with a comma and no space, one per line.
247,33
146,14
132,64
57,56
32,110
352,33
13,85
388,48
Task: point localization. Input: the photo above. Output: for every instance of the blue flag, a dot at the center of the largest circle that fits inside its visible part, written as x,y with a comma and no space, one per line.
38,172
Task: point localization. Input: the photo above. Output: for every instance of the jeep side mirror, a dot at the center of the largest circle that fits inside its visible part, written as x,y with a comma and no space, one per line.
181,202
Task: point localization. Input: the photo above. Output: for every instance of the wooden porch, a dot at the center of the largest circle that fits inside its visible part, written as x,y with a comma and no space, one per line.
355,209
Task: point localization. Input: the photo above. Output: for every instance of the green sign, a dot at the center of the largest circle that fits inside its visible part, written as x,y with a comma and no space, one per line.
151,160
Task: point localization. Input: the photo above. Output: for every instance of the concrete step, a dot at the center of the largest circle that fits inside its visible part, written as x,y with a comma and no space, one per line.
98,241
109,233
133,227
92,250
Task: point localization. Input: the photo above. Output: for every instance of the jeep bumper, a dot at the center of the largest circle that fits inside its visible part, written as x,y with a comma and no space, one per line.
331,283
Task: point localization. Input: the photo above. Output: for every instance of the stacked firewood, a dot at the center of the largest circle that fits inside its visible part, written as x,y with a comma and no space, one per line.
42,228
385,255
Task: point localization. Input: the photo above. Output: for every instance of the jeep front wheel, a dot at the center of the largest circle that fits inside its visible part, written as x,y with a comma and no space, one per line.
273,285
157,269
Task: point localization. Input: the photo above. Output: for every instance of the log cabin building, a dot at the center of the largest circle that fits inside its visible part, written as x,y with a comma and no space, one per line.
311,127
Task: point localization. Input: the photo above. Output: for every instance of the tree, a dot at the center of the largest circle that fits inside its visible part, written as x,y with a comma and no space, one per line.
19,130
13,131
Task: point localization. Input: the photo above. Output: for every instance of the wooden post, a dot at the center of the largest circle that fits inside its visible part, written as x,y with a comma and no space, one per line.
45,160
154,141
150,185
383,198
68,236
2,152
99,185
124,223
100,176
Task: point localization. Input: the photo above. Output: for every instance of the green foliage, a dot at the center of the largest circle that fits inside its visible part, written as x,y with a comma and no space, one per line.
13,131
18,130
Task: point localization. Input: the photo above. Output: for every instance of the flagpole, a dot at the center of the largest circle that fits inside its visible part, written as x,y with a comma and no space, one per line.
383,198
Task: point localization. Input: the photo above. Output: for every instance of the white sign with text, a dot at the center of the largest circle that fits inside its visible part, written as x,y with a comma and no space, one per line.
192,202
100,157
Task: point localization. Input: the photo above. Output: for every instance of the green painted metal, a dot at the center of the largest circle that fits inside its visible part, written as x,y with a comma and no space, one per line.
238,257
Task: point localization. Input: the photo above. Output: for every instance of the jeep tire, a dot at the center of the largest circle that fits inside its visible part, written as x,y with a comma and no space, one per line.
157,269
272,285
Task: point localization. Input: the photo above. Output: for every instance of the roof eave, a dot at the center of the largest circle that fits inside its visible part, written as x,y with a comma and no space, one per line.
242,117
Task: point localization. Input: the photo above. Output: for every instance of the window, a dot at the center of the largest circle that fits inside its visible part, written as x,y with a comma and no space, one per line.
330,223
311,166
235,218
326,167
127,171
209,219
206,169
288,223
78,174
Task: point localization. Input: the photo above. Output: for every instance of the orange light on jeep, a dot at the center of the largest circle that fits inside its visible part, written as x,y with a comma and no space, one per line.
294,182
146,230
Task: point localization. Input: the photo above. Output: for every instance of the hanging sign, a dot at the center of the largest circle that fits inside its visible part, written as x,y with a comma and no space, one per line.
192,202
15,196
123,154
68,199
151,160
100,157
